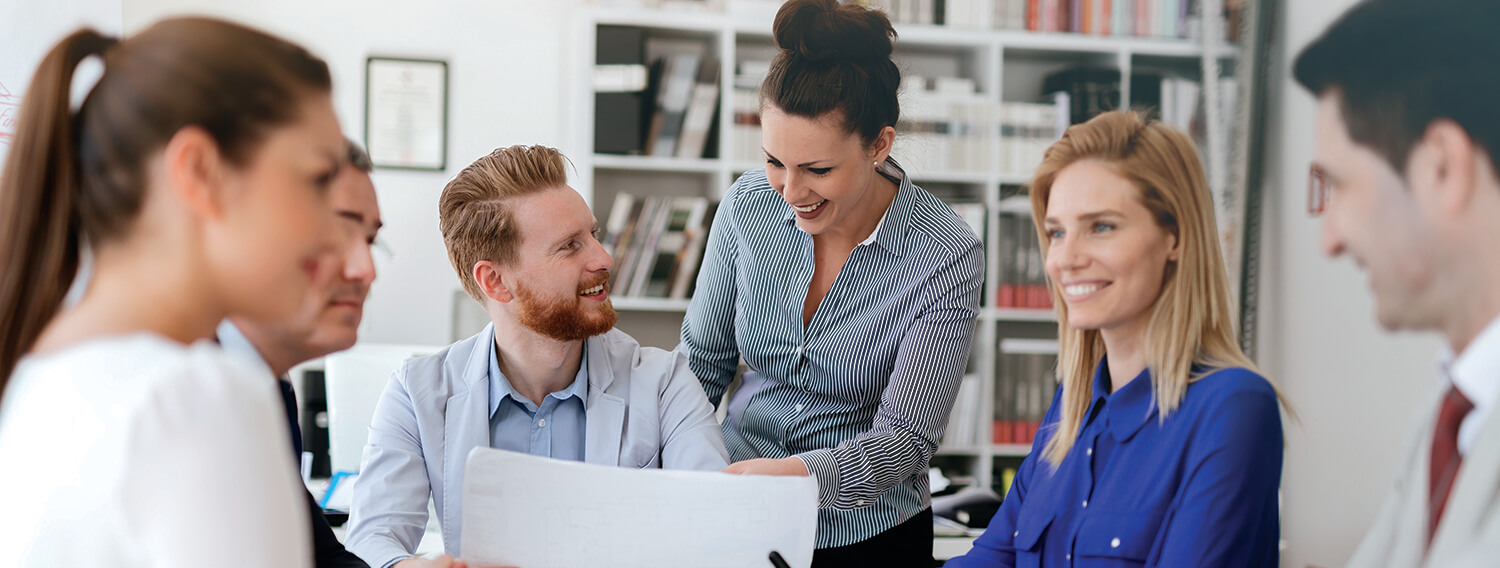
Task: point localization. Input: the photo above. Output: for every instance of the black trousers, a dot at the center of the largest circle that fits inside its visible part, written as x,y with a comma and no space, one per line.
907,545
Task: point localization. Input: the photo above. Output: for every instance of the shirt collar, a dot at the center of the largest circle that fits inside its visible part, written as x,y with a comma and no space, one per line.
890,230
1129,409
500,386
234,342
1476,371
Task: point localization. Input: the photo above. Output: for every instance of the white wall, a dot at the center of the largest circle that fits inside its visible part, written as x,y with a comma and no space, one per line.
1355,386
507,61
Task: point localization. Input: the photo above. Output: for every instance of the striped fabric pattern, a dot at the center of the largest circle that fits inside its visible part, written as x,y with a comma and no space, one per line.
862,395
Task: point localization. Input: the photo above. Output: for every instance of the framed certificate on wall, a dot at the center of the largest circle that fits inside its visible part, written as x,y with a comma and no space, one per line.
406,113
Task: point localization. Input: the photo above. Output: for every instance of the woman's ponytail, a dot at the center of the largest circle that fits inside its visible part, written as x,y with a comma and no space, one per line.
39,191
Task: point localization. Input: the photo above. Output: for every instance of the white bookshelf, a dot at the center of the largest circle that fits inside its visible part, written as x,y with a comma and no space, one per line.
1005,66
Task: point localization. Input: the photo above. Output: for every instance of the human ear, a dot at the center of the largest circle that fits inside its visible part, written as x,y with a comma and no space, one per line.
882,145
1441,167
491,280
193,164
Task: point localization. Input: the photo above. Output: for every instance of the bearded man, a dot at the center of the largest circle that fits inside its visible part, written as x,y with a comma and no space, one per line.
550,376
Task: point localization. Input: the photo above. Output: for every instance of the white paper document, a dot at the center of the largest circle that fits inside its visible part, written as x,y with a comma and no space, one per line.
532,512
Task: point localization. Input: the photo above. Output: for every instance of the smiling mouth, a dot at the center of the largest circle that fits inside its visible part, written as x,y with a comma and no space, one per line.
1080,290
809,208
595,291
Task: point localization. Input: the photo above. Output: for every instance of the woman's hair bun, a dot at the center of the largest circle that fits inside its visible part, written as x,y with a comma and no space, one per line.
828,31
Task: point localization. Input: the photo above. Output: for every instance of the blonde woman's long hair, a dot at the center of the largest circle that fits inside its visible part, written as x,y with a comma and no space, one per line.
1192,330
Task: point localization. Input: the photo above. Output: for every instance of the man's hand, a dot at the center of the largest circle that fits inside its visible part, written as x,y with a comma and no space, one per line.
768,466
443,561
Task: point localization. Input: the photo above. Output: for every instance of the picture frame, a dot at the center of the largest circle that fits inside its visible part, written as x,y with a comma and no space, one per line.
406,113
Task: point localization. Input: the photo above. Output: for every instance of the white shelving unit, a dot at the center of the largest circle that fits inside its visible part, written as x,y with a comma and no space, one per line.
1005,65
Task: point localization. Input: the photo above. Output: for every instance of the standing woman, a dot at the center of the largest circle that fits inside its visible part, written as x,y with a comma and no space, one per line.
850,293
1163,445
196,171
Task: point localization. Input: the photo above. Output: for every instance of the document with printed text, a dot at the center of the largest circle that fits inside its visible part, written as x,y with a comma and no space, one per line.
533,512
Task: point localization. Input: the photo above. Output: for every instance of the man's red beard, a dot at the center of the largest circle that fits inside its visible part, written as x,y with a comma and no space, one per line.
565,319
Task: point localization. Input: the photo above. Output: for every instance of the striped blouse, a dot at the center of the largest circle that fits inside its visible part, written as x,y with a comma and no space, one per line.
862,395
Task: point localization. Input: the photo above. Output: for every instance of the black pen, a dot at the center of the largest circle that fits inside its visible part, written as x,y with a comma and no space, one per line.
778,561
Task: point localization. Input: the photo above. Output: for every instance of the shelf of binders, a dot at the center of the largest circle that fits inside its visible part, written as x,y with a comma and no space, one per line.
1025,380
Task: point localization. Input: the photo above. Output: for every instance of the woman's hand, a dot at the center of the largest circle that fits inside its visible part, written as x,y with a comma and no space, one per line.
768,466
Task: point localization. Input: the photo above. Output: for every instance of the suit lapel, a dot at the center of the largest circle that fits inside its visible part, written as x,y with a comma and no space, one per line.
466,425
604,411
1410,541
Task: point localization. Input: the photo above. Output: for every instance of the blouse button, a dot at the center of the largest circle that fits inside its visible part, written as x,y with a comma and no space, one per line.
1115,543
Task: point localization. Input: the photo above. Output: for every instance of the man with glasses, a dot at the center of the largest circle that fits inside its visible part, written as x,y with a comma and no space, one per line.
1405,177
328,323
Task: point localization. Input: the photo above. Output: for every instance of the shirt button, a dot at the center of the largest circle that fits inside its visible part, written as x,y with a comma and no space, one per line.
541,423
861,502
799,408
1069,557
1085,505
1088,452
1115,543
1015,534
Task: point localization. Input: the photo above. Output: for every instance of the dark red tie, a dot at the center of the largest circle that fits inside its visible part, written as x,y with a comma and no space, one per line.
1445,456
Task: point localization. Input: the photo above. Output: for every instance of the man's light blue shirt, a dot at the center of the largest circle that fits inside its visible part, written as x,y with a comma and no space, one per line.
553,430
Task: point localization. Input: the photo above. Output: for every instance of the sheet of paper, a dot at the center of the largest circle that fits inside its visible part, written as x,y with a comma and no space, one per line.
522,510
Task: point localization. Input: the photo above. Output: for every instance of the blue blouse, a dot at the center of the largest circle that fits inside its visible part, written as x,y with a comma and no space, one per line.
1196,489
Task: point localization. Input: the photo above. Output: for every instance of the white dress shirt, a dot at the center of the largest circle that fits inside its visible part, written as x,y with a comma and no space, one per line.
139,451
1476,373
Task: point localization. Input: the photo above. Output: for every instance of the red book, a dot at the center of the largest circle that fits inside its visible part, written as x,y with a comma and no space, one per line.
1033,15
1143,27
1104,14
1087,8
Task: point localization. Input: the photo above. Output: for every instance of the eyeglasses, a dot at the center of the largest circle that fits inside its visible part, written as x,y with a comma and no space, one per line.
1317,191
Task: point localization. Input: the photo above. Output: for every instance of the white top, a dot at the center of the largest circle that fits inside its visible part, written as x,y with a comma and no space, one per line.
1476,373
139,451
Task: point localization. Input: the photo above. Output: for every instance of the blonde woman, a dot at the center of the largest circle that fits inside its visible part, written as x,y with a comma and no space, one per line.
1163,445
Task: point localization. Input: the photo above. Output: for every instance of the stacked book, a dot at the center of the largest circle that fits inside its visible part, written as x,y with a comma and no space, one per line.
745,137
1023,277
963,432
664,108
1025,382
1027,129
657,244
1138,18
944,128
